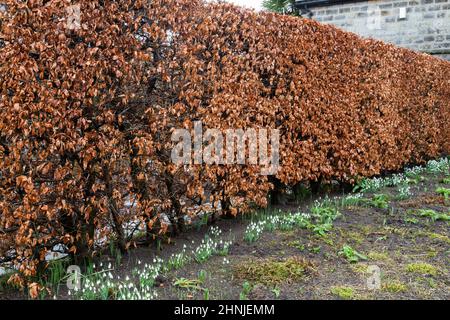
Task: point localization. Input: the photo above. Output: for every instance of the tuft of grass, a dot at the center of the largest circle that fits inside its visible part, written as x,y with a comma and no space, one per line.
394,287
54,274
422,268
342,292
315,250
446,181
202,276
271,271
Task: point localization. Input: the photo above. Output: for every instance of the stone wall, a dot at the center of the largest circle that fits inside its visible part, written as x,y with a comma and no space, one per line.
422,25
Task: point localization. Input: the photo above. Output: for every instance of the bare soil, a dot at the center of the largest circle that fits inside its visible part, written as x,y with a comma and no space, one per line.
399,243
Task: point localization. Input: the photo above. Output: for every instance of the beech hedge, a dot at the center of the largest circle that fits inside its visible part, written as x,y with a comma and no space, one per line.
87,115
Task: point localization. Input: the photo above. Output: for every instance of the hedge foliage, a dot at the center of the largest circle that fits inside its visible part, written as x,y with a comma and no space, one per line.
87,115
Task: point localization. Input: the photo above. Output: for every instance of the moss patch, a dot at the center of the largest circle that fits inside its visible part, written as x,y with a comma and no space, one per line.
345,293
378,256
394,287
422,268
359,268
271,271
440,237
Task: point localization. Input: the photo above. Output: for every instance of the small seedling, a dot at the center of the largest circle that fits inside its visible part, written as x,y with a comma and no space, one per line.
404,192
351,254
246,289
206,294
276,291
202,276
315,250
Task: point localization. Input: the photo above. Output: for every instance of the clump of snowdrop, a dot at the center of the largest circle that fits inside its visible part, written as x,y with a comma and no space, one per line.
215,232
204,251
370,185
396,180
404,192
352,200
210,246
432,167
438,166
177,260
254,231
415,171
150,272
104,285
284,222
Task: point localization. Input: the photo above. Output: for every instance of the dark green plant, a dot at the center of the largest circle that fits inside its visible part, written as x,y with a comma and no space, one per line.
444,192
351,254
